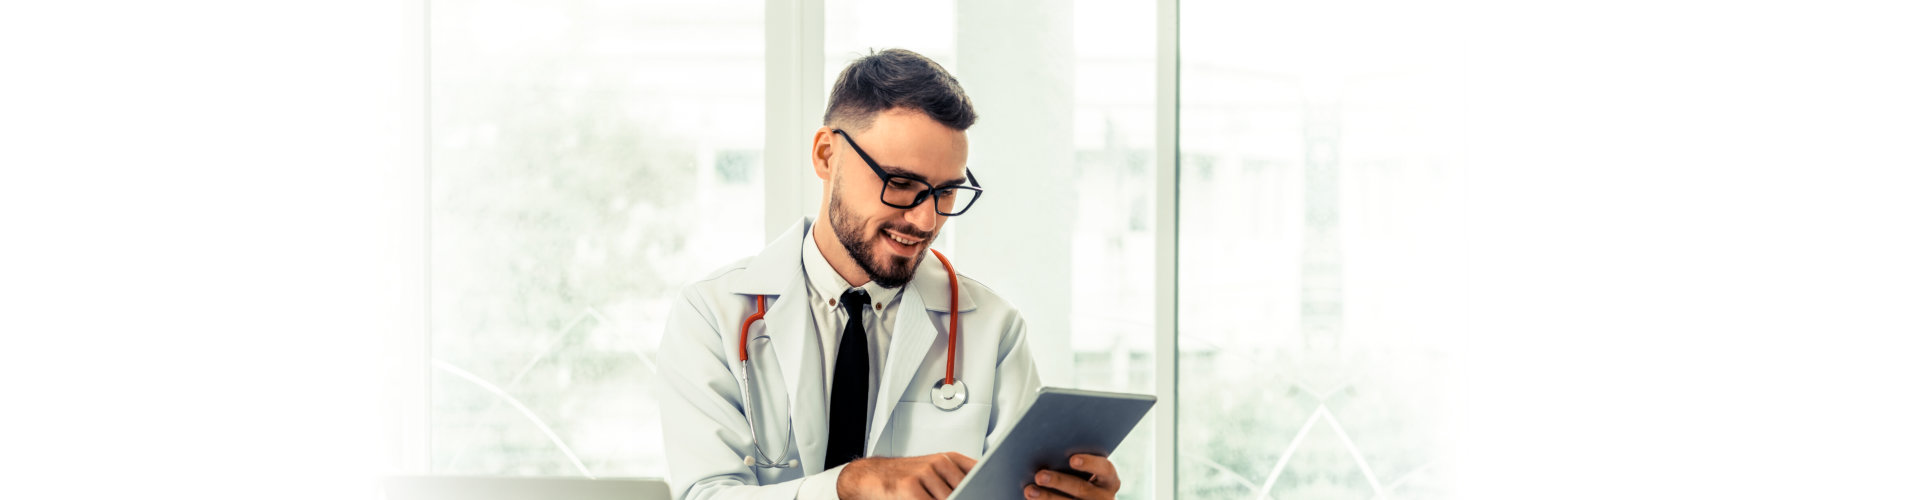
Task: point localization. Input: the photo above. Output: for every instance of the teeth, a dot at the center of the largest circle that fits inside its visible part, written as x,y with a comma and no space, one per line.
902,241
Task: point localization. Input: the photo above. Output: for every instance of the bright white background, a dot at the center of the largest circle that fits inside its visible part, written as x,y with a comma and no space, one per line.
204,245
1711,207
1691,236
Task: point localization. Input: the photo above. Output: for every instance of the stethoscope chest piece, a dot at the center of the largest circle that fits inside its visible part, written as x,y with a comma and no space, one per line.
949,397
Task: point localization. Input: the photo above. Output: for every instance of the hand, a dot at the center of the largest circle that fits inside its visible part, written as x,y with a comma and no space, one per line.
1103,484
923,477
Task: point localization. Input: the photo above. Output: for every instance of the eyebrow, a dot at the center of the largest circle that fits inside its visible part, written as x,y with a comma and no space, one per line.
901,172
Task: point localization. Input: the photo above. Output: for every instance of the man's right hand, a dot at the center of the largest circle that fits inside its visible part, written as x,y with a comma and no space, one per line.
922,477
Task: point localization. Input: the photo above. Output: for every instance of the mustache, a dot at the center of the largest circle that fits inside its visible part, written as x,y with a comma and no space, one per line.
906,230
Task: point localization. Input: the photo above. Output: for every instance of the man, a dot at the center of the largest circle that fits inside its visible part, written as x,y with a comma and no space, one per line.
841,373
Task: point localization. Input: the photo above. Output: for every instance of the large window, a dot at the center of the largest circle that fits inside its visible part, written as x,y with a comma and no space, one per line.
1321,250
588,160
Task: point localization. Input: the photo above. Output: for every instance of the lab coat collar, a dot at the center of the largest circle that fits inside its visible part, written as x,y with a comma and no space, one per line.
778,265
930,279
776,273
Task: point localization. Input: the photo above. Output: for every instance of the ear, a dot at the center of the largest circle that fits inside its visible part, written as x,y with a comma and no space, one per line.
822,152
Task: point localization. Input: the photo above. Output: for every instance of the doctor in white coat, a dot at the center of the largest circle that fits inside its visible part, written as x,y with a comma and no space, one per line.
853,305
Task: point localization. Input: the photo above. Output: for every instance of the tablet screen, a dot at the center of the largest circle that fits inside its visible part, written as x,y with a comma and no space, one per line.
1060,423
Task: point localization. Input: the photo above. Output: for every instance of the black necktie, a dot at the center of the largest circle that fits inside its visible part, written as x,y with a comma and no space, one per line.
847,422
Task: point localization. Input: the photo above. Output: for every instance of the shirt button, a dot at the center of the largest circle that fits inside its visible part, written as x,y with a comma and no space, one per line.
877,307
831,303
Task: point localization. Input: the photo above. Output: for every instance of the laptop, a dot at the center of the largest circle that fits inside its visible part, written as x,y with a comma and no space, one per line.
522,488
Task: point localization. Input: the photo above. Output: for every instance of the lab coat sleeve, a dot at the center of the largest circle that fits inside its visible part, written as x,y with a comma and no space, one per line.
822,486
704,427
1016,381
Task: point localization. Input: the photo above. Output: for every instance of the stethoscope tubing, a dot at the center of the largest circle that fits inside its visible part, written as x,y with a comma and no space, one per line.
746,370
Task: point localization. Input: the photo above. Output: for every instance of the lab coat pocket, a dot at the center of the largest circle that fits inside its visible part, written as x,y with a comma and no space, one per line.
920,428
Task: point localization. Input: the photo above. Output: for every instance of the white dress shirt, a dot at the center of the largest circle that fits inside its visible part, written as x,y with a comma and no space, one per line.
824,286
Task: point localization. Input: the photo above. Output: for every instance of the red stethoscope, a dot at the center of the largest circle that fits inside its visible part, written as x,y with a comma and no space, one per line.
948,394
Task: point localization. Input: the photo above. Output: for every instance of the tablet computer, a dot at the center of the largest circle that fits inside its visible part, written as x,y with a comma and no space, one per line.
1060,423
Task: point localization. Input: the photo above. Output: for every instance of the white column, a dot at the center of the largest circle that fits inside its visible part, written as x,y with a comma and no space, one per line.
1166,297
796,97
1016,59
407,391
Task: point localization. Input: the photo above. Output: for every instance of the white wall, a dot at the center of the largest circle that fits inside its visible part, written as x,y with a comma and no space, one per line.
1016,60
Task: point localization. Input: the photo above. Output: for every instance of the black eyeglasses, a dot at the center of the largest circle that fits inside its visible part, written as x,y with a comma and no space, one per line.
908,191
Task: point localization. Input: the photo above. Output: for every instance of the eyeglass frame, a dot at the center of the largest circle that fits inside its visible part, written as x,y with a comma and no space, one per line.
886,179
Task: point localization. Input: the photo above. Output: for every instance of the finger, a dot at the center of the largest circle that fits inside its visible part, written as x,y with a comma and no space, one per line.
1102,469
936,487
948,471
1039,493
1072,486
915,491
965,462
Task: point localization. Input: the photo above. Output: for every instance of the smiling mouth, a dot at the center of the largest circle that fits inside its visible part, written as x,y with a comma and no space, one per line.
903,239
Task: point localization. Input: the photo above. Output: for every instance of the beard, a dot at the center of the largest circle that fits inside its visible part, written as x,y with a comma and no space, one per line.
845,227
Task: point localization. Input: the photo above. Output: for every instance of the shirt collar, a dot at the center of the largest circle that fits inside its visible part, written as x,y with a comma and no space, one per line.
827,283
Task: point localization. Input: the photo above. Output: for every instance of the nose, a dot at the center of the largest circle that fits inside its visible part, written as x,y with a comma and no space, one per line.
923,217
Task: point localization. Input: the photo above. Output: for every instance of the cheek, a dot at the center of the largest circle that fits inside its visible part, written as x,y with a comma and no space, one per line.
862,200
863,217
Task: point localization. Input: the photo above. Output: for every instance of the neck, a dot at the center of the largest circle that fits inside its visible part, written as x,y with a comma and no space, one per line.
836,254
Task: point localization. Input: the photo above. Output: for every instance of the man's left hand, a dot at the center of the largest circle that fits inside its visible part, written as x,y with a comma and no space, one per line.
1102,484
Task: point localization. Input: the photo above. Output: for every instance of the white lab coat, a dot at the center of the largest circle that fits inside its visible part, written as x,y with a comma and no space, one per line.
701,406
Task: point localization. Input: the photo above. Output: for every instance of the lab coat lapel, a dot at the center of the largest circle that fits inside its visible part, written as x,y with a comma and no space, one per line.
776,272
913,333
790,324
797,344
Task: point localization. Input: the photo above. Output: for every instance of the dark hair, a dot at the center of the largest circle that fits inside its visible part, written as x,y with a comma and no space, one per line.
897,78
